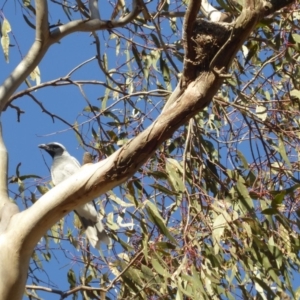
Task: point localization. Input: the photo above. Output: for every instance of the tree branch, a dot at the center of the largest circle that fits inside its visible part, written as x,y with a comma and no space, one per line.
42,28
94,10
87,288
94,180
189,69
3,171
7,207
33,57
93,25
45,289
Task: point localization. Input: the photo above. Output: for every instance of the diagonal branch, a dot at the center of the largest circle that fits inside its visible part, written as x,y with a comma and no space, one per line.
3,171
93,25
33,57
94,180
7,207
94,9
42,28
189,69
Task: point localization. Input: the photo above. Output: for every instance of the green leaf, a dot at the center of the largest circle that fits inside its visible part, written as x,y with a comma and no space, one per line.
71,278
245,197
158,220
270,211
35,75
136,56
212,167
145,68
278,199
155,40
154,56
105,62
147,273
55,229
163,189
47,256
296,37
194,280
5,29
91,108
262,286
159,268
165,245
174,171
36,259
28,22
105,98
243,159
165,70
261,112
281,149
220,223
158,174
42,189
295,93
184,288
113,116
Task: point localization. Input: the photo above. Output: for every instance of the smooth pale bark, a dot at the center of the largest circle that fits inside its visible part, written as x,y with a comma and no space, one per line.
20,231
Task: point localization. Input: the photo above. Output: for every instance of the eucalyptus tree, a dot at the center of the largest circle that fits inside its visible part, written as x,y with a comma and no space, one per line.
196,132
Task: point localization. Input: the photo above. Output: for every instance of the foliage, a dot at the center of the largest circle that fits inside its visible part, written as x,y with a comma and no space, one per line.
214,214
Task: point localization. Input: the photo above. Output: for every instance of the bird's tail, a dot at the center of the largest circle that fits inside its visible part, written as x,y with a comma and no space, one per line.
92,225
95,232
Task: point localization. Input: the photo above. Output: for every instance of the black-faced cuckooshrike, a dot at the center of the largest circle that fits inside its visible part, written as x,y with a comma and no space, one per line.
63,166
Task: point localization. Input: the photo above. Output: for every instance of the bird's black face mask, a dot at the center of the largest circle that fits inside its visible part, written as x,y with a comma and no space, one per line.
52,148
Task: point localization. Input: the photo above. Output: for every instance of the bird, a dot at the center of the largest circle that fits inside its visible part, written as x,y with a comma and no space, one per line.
63,166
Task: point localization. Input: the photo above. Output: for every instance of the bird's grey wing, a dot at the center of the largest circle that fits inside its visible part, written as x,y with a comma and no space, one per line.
75,161
63,167
92,224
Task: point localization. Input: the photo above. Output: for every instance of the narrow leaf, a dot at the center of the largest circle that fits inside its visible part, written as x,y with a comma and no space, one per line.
158,221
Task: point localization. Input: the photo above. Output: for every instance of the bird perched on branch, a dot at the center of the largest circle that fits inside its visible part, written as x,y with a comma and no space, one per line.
63,166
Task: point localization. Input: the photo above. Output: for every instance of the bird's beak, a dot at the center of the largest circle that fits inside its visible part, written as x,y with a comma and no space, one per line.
43,146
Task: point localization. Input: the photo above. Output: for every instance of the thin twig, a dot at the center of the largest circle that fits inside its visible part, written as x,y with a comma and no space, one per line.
187,147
